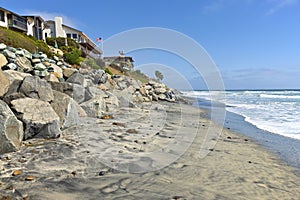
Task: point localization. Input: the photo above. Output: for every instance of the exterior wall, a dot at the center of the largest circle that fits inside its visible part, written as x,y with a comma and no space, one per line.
74,34
30,24
3,19
50,30
59,31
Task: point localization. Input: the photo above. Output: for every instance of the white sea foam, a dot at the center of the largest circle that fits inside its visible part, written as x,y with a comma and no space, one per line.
274,111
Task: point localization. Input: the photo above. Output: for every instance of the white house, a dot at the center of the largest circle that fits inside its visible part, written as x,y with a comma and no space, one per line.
36,27
12,21
57,29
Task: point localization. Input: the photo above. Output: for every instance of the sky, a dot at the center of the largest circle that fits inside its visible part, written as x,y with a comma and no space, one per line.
255,44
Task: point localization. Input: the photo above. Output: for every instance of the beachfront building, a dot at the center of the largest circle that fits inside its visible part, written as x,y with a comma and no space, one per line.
121,61
36,27
13,21
30,25
56,28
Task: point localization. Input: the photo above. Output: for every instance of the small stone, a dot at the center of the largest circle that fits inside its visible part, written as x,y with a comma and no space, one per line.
12,66
107,117
17,173
36,60
48,64
74,173
10,187
102,173
29,178
2,46
177,197
133,131
119,124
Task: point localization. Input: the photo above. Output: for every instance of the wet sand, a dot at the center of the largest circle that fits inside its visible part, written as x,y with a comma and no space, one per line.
148,152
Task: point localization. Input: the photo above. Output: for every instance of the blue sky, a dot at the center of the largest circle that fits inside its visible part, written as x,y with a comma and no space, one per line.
254,43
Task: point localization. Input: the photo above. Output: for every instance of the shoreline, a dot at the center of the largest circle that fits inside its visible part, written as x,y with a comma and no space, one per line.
286,148
73,167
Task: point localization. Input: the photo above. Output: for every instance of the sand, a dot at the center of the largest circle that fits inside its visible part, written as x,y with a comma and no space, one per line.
153,151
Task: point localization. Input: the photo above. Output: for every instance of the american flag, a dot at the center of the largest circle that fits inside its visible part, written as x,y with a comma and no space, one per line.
99,39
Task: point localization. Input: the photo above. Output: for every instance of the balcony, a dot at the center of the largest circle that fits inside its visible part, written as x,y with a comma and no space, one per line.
17,23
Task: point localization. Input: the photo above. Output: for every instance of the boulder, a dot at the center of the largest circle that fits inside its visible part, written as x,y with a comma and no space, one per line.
11,130
77,78
13,75
34,87
4,83
58,72
66,108
75,91
2,46
99,77
51,78
24,64
67,72
15,80
9,54
40,120
94,107
3,60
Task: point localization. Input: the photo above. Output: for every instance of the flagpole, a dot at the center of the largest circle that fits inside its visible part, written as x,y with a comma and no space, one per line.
102,40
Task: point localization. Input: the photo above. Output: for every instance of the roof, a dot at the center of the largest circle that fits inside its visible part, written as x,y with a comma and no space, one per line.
34,16
116,57
10,12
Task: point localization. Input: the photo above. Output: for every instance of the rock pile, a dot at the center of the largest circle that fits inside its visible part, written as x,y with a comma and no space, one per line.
40,96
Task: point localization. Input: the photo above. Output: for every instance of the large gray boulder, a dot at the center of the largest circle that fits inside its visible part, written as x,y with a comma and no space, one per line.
4,84
3,60
15,80
77,78
40,119
99,76
11,130
75,91
37,88
24,64
96,106
66,108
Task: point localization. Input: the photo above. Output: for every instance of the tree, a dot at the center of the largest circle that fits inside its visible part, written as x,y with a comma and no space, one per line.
159,75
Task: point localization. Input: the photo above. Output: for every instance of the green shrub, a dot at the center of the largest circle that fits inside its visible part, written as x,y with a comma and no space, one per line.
61,42
89,62
108,71
138,75
72,55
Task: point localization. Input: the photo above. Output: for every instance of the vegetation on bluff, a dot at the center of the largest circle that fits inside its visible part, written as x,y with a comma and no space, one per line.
19,40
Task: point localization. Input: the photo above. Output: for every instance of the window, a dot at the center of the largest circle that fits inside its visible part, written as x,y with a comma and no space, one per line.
74,36
2,16
68,35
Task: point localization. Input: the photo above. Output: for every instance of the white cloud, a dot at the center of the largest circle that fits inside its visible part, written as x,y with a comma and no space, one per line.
214,6
279,4
50,16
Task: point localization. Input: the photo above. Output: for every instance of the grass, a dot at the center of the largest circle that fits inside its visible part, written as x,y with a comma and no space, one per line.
20,40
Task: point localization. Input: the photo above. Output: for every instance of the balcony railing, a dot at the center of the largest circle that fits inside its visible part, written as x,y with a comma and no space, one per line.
17,23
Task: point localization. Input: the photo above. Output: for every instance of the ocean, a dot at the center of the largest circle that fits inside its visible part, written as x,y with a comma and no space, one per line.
270,117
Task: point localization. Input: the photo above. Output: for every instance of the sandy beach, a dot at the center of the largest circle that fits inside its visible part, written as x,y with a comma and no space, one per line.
135,153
